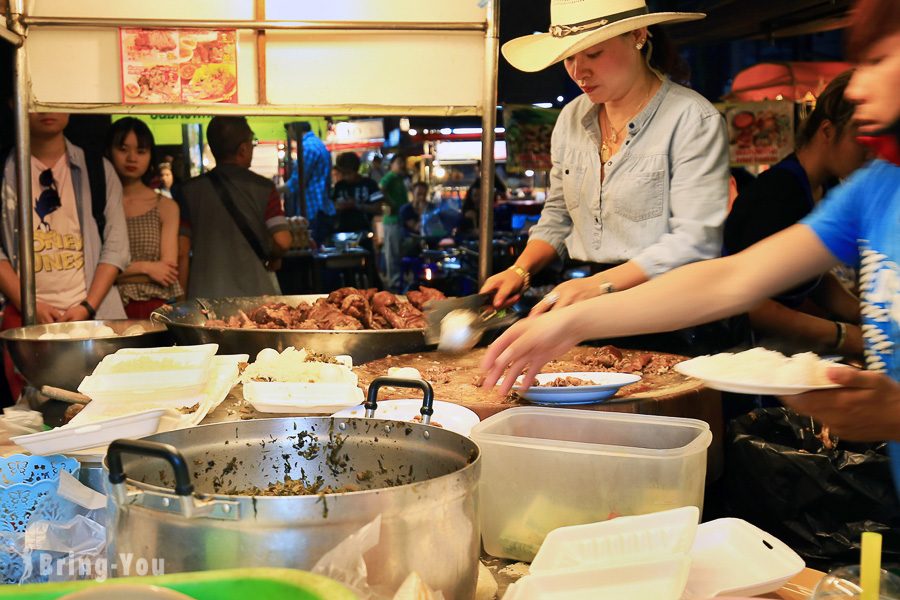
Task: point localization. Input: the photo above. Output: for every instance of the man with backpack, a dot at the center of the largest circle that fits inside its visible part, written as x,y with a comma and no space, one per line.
80,241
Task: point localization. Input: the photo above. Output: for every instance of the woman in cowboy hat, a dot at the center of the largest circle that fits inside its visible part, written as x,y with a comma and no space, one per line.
639,183
857,223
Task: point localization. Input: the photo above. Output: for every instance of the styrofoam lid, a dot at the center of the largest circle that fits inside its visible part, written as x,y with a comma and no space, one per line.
619,541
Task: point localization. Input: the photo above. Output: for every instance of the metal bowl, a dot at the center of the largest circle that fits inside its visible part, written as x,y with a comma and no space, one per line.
64,363
186,321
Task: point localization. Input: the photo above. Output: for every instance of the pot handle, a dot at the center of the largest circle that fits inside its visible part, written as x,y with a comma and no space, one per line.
417,384
171,454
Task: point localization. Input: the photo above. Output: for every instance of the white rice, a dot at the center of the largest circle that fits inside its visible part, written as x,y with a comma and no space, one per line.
763,366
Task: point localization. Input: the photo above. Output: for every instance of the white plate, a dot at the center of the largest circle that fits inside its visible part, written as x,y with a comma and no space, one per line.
749,387
452,417
604,385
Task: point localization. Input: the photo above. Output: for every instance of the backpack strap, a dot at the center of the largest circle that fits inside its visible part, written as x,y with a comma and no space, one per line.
97,182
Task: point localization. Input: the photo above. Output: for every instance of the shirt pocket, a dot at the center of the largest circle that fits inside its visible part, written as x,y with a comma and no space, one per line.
640,196
573,181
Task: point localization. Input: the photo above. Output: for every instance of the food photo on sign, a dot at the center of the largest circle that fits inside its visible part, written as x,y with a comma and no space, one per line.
760,132
161,66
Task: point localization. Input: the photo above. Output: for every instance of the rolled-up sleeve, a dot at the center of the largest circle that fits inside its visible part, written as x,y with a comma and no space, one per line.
555,223
115,250
698,196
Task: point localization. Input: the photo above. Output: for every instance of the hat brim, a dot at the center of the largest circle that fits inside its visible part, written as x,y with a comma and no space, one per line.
532,53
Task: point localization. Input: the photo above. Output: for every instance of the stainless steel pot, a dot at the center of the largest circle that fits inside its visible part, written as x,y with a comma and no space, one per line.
185,321
422,480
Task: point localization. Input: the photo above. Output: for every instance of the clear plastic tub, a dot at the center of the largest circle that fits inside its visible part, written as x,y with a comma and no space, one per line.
545,468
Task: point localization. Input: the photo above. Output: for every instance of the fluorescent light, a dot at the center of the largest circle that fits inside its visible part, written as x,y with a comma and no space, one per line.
439,172
559,98
446,131
543,104
467,130
529,173
413,132
499,130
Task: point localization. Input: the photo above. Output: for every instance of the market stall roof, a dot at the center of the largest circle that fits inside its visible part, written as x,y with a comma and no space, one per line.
784,80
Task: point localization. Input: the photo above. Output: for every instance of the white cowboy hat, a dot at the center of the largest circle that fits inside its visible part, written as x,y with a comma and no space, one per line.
576,25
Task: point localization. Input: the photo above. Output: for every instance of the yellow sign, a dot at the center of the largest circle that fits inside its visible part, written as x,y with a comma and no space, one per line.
167,128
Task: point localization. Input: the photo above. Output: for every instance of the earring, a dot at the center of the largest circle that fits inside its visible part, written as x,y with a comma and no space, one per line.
639,45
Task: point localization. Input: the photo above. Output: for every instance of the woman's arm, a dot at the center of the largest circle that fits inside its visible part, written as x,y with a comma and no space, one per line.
694,294
820,335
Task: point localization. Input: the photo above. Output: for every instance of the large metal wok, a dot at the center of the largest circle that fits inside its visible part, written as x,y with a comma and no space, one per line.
185,321
196,515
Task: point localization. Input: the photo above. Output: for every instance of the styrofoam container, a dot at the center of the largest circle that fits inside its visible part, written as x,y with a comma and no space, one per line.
100,433
207,350
544,468
733,557
619,542
318,398
136,364
186,382
660,580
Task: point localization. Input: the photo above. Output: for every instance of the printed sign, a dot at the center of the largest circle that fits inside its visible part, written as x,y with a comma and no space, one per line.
760,133
171,66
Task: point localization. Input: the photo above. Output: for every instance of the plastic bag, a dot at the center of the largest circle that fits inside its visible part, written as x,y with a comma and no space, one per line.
781,476
345,563
19,420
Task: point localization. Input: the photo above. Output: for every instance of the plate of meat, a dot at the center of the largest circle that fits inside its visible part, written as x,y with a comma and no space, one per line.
553,389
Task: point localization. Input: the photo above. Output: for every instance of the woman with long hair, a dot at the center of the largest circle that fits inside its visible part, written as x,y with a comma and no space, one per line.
151,279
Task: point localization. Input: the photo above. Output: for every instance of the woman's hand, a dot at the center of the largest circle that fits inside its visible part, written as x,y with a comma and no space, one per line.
47,314
527,346
509,286
163,273
568,292
865,409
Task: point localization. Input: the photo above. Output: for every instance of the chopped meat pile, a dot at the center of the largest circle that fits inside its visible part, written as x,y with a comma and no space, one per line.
567,382
610,358
344,309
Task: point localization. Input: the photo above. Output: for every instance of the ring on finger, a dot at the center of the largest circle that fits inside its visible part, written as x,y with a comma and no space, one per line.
551,298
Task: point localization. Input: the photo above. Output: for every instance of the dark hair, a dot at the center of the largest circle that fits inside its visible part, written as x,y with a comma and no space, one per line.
347,161
831,106
664,56
419,184
304,126
871,21
120,129
398,158
226,134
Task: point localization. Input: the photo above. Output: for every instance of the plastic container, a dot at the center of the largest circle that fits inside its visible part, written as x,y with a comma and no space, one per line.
545,468
231,584
731,556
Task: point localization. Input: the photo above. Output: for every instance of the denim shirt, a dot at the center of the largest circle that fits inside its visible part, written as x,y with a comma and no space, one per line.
664,199
113,250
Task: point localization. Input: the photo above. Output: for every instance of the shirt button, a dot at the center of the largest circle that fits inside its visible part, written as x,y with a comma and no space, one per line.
631,126
609,164
567,171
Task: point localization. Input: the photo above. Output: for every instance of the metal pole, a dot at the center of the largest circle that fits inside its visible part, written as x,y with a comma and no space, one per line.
488,136
14,39
254,24
23,176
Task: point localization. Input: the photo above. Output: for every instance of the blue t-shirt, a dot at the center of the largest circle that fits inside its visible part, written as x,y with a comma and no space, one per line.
860,224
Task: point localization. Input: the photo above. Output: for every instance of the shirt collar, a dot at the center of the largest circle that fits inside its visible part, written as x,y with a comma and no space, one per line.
589,117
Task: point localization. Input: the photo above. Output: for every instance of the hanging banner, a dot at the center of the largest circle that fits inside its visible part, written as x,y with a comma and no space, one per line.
528,131
760,133
171,66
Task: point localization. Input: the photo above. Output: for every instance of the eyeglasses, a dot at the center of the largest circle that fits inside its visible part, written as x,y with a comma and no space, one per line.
49,201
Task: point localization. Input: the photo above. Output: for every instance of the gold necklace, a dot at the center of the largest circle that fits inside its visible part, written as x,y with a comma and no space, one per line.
605,149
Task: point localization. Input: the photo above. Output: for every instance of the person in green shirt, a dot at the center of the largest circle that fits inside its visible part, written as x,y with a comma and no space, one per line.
393,186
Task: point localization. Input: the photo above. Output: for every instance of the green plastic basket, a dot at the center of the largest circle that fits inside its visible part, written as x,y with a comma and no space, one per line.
228,584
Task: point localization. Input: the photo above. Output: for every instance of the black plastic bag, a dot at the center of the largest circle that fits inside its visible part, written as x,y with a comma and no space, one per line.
816,497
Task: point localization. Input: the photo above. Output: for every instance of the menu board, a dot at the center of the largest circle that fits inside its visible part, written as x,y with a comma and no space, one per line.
528,132
760,133
171,66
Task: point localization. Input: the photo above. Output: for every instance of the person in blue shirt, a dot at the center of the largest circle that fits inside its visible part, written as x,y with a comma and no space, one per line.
320,209
859,223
